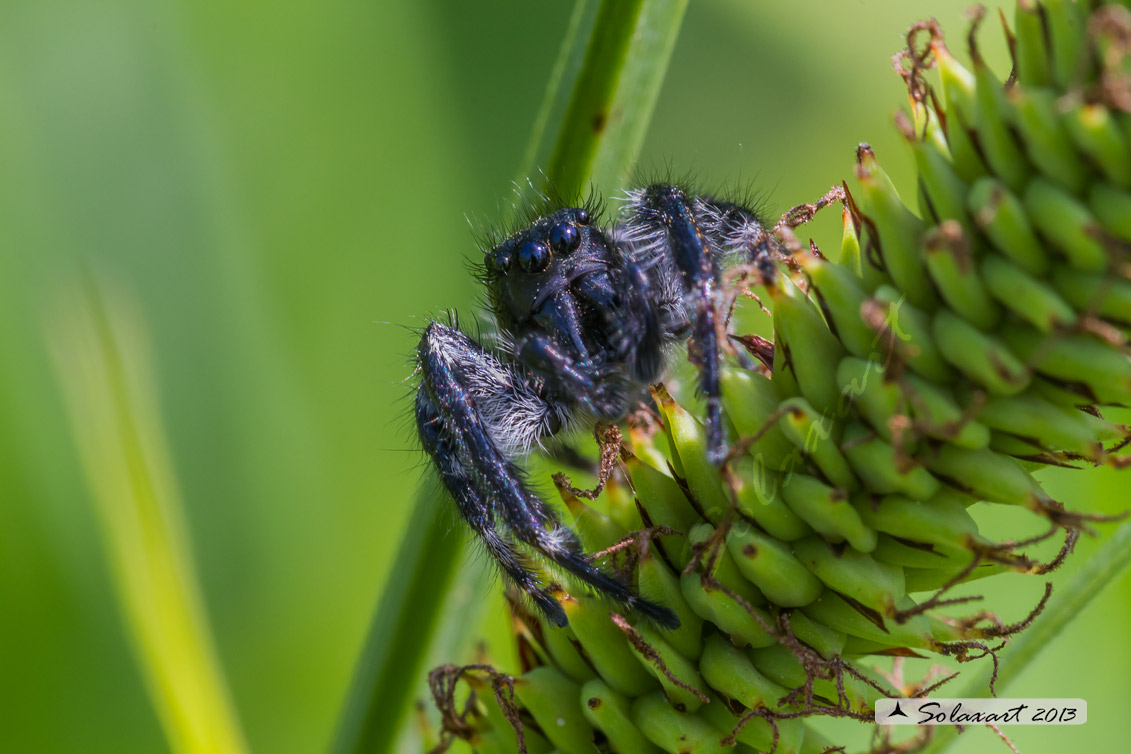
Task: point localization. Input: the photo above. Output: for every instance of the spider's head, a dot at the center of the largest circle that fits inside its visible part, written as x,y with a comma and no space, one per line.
531,267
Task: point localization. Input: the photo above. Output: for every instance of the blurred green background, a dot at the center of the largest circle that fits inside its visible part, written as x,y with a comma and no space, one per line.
284,187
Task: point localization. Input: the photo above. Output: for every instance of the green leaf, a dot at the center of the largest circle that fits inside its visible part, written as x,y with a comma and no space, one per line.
626,49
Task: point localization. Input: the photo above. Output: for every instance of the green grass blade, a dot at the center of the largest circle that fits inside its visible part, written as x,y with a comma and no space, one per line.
586,120
1096,573
657,28
615,93
625,58
101,358
571,57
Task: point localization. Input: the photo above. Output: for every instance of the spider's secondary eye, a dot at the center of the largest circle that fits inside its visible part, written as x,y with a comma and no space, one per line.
564,238
533,257
497,261
582,217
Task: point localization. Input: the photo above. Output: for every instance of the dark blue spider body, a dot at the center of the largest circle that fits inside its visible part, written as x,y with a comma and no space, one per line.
586,316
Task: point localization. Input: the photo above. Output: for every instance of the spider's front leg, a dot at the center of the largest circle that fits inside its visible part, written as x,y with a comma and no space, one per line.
475,414
692,238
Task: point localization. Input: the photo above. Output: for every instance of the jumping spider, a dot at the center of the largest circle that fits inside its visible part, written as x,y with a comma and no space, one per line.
586,318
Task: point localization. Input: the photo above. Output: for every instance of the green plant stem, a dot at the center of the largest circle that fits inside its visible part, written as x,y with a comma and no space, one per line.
619,78
1096,573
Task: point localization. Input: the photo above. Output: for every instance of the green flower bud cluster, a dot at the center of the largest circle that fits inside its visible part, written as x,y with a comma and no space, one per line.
929,370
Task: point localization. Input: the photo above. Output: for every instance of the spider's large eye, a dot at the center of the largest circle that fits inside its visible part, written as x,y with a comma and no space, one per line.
564,238
498,261
533,257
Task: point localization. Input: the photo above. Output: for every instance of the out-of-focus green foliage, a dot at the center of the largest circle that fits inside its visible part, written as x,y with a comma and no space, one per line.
102,358
283,187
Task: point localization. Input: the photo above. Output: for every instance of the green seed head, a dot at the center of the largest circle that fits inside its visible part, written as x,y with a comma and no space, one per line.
947,354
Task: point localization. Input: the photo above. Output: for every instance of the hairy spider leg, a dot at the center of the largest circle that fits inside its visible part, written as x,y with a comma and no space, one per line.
457,477
643,335
542,355
557,351
739,234
700,235
666,212
468,393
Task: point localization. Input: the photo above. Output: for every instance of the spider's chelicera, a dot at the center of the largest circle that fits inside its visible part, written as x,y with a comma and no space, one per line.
587,316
